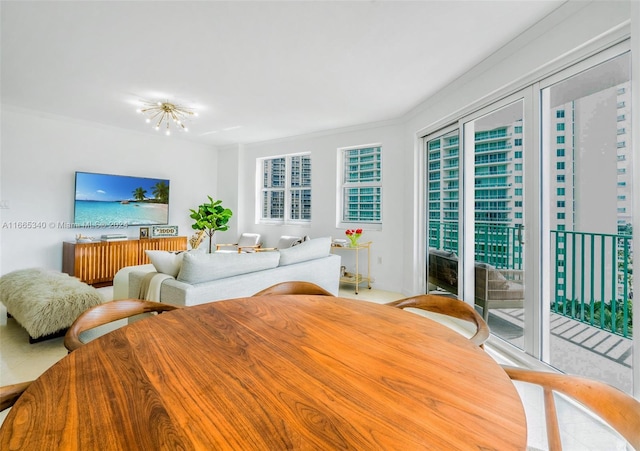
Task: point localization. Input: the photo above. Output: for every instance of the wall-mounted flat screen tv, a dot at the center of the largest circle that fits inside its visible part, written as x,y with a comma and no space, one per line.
108,200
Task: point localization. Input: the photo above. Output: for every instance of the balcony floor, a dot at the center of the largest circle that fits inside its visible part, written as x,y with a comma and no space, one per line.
576,348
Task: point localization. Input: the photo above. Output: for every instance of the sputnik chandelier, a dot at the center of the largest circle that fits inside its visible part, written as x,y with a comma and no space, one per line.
163,114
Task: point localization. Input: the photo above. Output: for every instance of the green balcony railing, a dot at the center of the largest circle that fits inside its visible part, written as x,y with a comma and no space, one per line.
592,273
592,279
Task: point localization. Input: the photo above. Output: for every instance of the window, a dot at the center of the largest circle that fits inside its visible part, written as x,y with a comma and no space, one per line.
560,204
361,184
560,152
560,139
517,142
560,165
286,188
560,191
560,126
560,113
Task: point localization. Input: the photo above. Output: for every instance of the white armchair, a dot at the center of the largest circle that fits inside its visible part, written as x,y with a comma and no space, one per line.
248,242
284,242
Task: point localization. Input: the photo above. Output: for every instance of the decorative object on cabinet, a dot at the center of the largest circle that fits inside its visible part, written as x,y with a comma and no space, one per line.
164,230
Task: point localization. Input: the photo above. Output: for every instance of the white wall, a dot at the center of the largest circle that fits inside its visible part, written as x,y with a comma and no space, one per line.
402,261
386,268
39,157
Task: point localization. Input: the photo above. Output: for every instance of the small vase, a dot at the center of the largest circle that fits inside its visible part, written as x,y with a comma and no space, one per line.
354,240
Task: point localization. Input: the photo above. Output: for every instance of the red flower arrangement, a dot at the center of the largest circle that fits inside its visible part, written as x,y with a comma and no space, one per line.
353,235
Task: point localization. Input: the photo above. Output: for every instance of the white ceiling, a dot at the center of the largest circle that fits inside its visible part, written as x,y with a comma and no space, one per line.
266,69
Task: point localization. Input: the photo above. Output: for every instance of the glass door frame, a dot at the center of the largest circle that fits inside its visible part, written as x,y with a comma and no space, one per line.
532,261
547,276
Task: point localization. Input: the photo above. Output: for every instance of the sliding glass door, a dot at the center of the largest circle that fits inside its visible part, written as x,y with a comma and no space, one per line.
529,207
494,178
586,123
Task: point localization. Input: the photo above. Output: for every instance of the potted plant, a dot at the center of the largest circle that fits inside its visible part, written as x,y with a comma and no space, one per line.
211,217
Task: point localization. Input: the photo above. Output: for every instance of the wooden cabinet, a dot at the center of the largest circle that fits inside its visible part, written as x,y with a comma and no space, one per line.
97,262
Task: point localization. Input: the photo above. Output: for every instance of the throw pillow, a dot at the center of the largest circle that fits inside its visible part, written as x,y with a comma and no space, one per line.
199,268
166,262
307,250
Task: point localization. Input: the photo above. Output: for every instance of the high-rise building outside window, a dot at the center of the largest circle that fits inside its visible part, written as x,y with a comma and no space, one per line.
285,194
361,187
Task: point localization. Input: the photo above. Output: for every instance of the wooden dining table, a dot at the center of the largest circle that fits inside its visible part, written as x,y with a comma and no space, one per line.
272,373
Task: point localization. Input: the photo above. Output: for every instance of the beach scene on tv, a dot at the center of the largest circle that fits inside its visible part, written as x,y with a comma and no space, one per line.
116,199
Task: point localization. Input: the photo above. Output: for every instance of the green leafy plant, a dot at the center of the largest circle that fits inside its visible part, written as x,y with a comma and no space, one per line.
211,217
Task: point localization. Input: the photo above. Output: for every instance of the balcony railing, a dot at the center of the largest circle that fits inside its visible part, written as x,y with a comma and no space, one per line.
592,272
592,279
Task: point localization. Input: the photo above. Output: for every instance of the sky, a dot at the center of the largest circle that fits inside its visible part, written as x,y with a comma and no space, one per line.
107,187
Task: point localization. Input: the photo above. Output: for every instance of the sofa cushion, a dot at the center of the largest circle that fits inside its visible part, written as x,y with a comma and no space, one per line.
199,268
307,250
166,262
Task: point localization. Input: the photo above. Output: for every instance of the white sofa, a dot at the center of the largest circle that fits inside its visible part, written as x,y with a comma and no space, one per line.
205,277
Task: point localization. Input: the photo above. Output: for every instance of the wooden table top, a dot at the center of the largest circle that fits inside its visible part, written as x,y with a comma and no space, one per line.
272,373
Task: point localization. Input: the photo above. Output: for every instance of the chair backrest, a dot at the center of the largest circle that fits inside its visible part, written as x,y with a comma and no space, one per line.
286,241
616,408
294,287
109,312
450,306
9,394
249,239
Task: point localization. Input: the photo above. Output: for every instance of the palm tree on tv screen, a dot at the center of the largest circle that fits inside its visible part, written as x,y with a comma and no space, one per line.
139,193
161,192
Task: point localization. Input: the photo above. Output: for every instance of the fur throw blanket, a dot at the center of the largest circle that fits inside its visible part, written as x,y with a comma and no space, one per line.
45,301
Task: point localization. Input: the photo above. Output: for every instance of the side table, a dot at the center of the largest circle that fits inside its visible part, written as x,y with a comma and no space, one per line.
357,278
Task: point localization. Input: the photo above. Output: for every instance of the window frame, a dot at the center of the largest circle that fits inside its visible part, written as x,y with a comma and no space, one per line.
343,185
288,190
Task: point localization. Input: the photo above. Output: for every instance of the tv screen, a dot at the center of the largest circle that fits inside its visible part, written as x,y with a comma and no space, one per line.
107,200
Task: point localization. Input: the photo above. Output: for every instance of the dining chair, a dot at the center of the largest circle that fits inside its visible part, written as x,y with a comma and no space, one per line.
9,394
446,305
247,242
108,312
294,287
616,408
